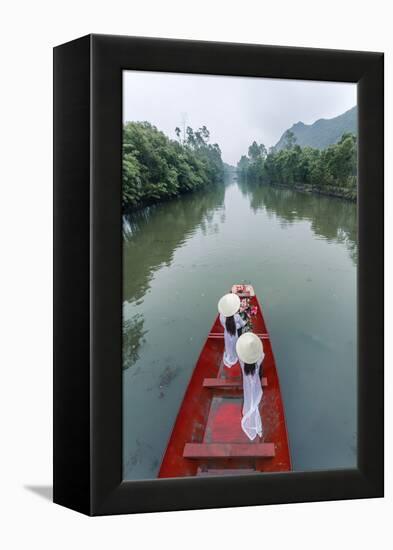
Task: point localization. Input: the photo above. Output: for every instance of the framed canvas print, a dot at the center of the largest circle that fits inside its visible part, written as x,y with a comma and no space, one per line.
218,274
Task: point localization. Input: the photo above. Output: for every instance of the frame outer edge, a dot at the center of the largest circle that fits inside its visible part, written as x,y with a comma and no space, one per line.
71,272
109,494
371,276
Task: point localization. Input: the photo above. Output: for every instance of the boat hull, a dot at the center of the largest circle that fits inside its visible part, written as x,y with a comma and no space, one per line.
210,415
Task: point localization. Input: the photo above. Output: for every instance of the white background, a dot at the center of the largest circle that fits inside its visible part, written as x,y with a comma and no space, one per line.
29,30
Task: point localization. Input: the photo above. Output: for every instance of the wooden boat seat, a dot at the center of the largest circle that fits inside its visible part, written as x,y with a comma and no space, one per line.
225,472
226,383
228,450
220,335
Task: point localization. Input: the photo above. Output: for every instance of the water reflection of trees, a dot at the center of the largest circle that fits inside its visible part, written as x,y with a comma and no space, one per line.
152,235
331,218
133,338
150,238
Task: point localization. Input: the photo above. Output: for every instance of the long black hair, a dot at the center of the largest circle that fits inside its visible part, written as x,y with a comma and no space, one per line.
230,325
249,368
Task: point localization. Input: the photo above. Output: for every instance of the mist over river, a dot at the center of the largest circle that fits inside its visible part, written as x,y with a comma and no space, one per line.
300,253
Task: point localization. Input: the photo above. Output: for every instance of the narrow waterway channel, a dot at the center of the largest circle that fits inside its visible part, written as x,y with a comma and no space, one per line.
300,253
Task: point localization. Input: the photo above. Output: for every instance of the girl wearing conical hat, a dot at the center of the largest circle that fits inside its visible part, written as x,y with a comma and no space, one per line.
228,307
250,352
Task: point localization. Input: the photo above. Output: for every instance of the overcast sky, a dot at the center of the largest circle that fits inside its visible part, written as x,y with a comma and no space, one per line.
236,110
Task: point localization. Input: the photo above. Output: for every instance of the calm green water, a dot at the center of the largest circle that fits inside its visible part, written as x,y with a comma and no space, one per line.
300,253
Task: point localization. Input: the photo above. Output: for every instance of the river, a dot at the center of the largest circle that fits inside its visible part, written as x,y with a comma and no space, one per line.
300,253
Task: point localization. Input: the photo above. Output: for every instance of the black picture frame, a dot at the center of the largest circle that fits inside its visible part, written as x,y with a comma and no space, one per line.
88,274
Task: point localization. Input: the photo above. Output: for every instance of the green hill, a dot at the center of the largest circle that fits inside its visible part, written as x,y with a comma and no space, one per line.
323,132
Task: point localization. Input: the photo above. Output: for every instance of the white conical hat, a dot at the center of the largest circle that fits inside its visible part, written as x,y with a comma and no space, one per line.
229,304
249,348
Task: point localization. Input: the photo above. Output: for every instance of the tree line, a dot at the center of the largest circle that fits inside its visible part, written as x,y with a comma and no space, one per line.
332,171
156,168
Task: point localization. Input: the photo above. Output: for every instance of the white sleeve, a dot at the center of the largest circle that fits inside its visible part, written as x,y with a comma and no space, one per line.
239,321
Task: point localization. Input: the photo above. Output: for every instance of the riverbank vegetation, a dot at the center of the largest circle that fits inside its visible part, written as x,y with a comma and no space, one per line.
331,171
156,168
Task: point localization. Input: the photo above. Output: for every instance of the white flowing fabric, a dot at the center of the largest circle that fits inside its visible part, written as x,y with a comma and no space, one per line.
252,390
230,355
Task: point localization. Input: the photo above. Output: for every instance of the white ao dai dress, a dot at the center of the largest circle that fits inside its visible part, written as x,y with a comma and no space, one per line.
230,355
252,390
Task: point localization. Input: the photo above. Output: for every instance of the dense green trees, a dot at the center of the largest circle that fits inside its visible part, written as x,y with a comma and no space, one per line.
331,170
156,168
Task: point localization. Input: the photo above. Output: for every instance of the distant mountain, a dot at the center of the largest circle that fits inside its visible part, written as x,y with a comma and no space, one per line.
323,132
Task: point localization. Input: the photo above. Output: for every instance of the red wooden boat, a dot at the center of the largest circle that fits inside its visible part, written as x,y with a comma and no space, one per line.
207,438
